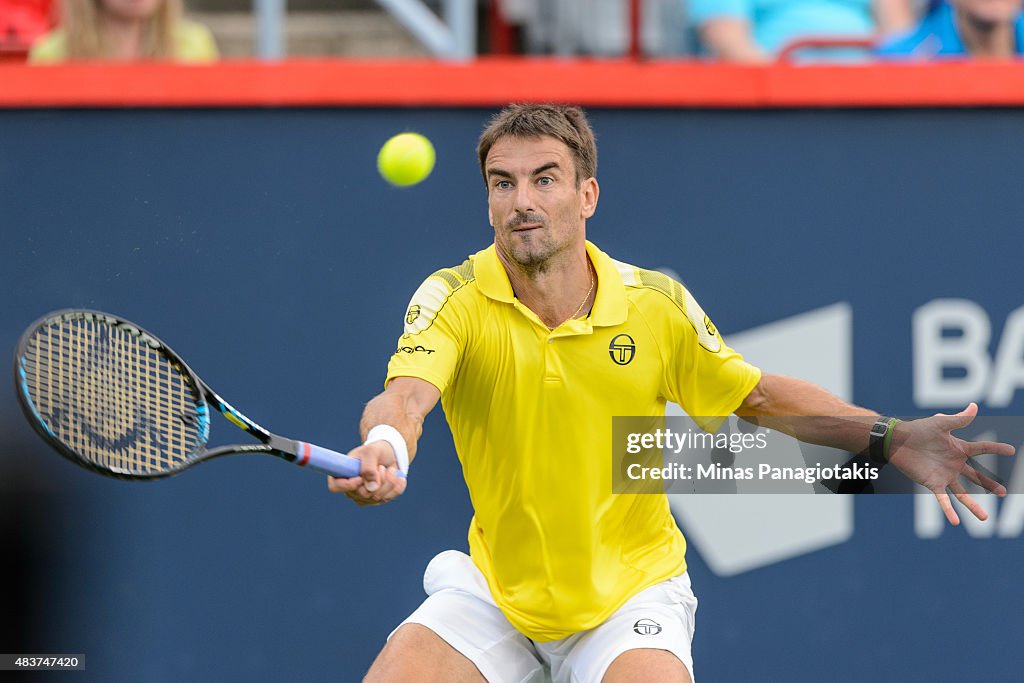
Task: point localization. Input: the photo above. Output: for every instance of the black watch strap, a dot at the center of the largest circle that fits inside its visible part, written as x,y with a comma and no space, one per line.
878,441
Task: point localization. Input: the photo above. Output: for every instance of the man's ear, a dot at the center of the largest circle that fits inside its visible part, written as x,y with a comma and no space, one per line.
589,192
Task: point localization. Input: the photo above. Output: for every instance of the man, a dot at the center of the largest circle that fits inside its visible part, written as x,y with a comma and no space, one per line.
566,578
991,29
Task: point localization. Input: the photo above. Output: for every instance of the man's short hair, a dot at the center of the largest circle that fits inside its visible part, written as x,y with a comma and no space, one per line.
567,124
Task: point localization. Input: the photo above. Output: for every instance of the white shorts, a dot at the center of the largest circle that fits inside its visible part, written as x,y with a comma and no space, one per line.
459,608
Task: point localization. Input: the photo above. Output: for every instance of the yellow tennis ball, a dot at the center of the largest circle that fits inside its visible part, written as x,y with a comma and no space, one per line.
406,159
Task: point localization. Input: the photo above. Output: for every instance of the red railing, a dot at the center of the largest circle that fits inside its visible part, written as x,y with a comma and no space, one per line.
495,81
825,44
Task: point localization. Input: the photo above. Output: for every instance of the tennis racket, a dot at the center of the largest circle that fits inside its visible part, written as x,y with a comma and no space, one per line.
113,398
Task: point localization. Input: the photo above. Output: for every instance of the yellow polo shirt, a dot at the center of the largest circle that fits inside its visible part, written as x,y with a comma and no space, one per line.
530,410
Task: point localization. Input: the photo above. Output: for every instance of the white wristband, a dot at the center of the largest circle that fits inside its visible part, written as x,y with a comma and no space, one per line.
394,437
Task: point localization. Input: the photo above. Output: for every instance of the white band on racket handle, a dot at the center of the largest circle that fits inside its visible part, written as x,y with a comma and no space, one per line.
383,432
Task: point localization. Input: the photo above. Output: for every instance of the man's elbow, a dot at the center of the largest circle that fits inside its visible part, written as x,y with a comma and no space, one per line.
757,401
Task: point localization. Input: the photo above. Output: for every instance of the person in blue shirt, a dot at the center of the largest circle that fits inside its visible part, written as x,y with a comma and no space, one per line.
962,28
754,31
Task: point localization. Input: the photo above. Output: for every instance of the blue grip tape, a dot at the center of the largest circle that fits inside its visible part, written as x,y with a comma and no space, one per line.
330,462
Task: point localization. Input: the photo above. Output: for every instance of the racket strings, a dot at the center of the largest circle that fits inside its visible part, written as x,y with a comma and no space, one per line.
114,400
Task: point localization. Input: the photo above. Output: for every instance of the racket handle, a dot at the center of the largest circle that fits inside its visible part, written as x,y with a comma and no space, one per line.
328,461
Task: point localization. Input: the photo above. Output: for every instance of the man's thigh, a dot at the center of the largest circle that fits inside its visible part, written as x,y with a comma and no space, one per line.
459,619
415,653
647,639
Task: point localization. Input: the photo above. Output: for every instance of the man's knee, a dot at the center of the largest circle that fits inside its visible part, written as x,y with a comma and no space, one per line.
416,653
637,666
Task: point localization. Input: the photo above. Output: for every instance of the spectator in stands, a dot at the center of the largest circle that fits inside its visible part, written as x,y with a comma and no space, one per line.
754,31
960,28
124,30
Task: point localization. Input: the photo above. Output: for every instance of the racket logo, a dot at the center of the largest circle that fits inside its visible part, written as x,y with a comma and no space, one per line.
622,349
647,627
125,440
113,424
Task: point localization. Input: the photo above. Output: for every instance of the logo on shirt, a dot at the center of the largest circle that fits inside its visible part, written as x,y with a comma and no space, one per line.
414,349
710,327
707,335
622,349
425,304
647,627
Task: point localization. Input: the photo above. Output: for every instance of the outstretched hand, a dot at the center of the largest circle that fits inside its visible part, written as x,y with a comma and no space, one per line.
927,452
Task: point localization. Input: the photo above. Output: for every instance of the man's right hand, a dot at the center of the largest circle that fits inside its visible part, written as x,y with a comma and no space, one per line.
403,405
378,480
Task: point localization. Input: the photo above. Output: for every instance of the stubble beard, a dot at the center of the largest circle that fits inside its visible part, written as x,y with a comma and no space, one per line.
534,251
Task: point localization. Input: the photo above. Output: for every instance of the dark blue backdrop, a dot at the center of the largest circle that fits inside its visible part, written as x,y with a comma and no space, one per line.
263,247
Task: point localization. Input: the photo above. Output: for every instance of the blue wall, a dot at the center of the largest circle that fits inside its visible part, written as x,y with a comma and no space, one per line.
263,247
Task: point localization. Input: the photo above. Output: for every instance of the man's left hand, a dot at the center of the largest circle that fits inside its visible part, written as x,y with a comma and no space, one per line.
927,452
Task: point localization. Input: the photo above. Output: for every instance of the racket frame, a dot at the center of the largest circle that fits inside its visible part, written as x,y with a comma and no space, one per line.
270,444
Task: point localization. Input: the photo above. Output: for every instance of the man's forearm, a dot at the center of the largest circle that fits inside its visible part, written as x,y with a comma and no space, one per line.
809,413
924,449
397,409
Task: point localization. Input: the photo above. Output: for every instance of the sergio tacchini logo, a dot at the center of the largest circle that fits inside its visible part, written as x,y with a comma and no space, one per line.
622,349
647,627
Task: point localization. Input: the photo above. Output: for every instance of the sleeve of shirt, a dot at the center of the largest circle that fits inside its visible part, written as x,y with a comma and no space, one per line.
433,337
707,378
702,10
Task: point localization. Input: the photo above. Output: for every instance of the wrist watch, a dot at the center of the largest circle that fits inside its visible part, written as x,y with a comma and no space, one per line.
876,442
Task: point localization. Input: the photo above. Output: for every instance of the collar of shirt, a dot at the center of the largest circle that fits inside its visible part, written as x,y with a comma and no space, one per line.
610,306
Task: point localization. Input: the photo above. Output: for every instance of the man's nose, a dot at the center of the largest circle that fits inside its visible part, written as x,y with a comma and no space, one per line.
524,199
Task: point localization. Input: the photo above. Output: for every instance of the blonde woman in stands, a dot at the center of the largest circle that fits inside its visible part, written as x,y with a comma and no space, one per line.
124,30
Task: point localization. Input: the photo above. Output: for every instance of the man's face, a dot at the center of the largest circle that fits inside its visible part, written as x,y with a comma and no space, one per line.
988,11
533,203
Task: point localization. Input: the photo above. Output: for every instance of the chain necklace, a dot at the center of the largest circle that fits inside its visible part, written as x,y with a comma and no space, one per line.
593,281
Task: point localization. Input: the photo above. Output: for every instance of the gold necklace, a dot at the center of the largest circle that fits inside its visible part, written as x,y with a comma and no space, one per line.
583,303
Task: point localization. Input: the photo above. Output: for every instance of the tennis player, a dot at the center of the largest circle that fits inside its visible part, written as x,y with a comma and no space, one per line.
533,345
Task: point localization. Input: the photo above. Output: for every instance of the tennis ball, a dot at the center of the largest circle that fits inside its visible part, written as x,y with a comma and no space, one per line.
406,159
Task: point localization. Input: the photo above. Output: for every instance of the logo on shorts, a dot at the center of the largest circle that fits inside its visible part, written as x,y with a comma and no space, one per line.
622,349
647,627
412,314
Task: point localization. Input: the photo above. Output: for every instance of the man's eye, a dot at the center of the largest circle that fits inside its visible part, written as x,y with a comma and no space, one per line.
503,184
546,180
